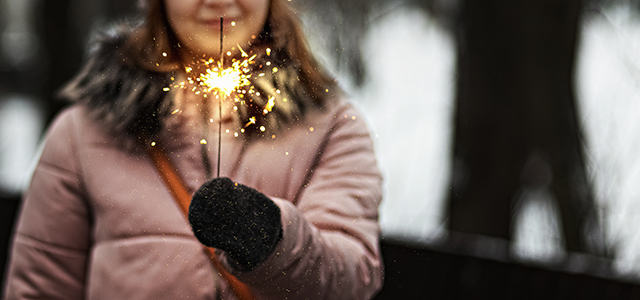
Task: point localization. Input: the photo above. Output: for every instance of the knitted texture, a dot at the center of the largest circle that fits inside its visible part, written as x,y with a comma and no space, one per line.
237,219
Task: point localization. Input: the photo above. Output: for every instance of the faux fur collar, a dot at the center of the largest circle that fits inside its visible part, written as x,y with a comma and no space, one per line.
133,101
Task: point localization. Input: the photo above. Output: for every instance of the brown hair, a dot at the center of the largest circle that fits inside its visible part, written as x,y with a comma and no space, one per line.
282,32
154,37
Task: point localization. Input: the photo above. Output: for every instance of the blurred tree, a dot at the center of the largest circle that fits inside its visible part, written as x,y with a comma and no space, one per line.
515,122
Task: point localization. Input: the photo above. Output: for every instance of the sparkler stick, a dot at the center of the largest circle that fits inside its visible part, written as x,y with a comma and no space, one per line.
220,97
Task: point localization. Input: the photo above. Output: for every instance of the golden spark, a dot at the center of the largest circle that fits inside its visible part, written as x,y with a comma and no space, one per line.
224,82
232,82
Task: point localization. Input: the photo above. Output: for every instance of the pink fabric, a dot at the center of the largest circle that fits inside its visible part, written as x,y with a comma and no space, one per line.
98,223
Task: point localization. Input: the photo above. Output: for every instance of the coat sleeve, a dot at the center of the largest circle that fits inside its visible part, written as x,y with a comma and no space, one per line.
49,253
330,245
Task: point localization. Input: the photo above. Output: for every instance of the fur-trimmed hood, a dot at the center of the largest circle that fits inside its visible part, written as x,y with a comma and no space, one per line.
134,101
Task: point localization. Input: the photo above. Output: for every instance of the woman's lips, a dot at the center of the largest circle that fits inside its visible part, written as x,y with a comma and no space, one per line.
216,22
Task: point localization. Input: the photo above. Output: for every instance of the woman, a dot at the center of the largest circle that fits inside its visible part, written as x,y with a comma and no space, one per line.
98,222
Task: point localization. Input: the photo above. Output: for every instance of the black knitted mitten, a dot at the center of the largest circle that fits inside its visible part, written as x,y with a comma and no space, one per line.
237,219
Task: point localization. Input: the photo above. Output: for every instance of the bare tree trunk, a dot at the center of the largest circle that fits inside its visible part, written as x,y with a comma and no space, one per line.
516,107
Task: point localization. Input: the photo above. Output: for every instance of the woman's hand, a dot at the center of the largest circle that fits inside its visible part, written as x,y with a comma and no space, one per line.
237,219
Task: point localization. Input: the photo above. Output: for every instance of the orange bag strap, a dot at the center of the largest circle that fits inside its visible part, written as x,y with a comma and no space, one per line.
183,198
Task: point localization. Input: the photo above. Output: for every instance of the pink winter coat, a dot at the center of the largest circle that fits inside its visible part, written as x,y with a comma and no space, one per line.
98,222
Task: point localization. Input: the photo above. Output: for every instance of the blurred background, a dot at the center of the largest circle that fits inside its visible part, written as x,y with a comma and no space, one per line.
507,131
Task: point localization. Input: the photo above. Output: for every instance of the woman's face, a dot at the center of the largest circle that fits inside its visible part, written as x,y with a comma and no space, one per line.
196,23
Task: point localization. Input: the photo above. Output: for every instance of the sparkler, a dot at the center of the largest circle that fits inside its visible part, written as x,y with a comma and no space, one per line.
222,83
